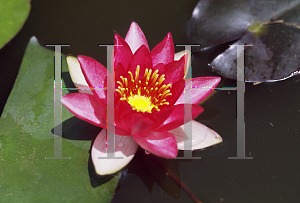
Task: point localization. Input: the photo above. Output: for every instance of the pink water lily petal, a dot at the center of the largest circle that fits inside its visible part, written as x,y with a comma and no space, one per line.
137,123
176,90
161,69
94,73
142,58
176,118
121,107
187,63
135,37
202,137
161,144
85,107
164,51
120,71
125,147
159,117
201,88
174,71
77,75
122,52
109,84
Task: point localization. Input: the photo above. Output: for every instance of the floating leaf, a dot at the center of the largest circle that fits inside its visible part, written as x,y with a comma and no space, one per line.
271,26
274,56
13,14
26,139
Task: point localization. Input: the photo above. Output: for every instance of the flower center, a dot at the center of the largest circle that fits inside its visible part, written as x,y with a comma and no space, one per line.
145,94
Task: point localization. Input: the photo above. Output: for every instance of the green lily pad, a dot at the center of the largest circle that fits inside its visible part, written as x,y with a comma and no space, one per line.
13,14
26,138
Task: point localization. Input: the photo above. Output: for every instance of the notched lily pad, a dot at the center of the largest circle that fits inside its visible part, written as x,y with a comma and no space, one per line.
271,26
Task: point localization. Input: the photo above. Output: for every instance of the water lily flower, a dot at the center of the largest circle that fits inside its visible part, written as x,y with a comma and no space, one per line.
148,100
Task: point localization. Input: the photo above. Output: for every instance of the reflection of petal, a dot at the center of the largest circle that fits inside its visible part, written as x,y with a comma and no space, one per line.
125,147
187,64
76,74
161,144
202,136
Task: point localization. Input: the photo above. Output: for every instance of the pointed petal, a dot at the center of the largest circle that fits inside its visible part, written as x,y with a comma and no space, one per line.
174,71
176,90
135,37
161,144
201,88
202,137
164,51
85,107
77,75
95,74
125,147
176,118
122,52
187,63
142,58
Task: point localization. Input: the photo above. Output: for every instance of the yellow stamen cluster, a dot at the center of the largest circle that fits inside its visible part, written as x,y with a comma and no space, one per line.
145,94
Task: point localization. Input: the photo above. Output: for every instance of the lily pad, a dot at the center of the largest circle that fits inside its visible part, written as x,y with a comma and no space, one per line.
271,26
26,139
274,56
13,14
